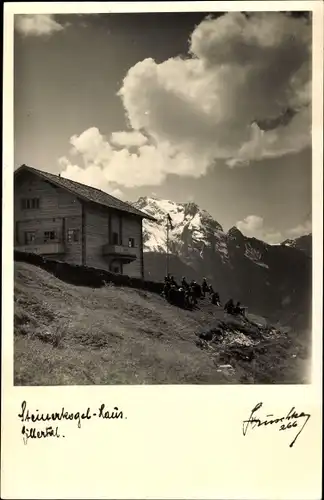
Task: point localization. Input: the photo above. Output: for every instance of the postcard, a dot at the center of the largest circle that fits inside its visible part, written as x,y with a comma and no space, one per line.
162,250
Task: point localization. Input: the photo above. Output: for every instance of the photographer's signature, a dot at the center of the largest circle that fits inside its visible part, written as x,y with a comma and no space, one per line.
292,419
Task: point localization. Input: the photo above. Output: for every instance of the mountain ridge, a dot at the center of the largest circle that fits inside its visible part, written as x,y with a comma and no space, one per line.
261,275
303,243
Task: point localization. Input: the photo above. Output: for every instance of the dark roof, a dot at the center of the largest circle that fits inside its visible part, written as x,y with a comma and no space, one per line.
87,193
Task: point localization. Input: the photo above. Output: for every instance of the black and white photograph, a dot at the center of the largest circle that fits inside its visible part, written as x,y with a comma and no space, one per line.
163,198
162,250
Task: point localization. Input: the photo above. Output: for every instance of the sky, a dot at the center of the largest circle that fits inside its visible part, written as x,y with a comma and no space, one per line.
213,108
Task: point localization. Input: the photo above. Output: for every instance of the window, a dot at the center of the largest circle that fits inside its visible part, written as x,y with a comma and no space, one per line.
30,237
29,203
115,238
49,236
131,242
73,235
116,270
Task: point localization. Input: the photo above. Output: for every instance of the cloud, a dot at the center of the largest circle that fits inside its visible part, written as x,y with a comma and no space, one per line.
253,227
92,146
148,166
300,230
128,139
242,94
91,176
243,71
250,224
37,24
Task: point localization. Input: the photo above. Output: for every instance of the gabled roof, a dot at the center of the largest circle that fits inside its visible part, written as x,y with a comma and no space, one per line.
86,193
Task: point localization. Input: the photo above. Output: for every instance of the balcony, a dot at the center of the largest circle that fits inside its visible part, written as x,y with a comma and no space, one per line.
50,248
127,254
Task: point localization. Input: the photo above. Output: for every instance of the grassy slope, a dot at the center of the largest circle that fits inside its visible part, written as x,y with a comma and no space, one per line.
76,335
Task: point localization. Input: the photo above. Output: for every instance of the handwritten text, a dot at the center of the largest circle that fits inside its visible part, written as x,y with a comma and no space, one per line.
31,431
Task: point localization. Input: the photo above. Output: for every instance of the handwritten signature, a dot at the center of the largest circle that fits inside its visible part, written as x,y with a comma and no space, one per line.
286,422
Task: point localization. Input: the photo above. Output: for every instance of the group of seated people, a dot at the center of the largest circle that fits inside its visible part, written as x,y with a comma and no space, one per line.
188,293
236,310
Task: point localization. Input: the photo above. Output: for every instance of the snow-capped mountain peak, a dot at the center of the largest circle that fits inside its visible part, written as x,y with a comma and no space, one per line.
193,230
261,276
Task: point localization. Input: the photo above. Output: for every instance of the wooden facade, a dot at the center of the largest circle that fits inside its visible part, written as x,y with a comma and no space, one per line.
58,224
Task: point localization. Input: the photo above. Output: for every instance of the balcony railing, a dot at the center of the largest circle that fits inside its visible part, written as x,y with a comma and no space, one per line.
43,248
120,251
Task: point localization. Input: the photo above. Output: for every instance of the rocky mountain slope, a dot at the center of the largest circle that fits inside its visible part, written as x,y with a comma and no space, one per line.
272,280
303,243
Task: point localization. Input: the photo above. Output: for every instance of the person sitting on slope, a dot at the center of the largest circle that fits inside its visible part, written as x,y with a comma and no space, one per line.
193,292
184,283
239,309
166,286
173,282
167,279
215,299
182,297
198,291
172,294
204,287
188,298
229,306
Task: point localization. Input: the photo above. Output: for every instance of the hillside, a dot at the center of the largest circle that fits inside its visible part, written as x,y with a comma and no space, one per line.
73,335
262,276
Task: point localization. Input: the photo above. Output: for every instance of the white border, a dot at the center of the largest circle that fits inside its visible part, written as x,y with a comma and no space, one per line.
179,442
